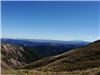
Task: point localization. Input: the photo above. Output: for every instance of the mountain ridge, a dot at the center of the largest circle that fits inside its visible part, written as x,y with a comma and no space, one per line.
40,41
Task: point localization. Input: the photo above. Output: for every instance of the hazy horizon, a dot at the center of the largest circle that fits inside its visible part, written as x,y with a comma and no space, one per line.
66,20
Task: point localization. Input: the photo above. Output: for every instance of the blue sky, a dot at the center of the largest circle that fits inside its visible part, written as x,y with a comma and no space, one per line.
51,20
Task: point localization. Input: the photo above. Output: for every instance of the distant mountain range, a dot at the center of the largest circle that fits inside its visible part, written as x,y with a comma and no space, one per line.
36,42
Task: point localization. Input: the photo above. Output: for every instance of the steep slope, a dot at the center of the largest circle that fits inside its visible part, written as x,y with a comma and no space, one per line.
13,56
75,59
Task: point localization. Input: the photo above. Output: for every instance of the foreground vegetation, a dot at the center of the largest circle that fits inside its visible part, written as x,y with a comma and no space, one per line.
93,71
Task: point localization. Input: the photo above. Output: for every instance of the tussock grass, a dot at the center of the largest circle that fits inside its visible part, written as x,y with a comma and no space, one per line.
93,71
